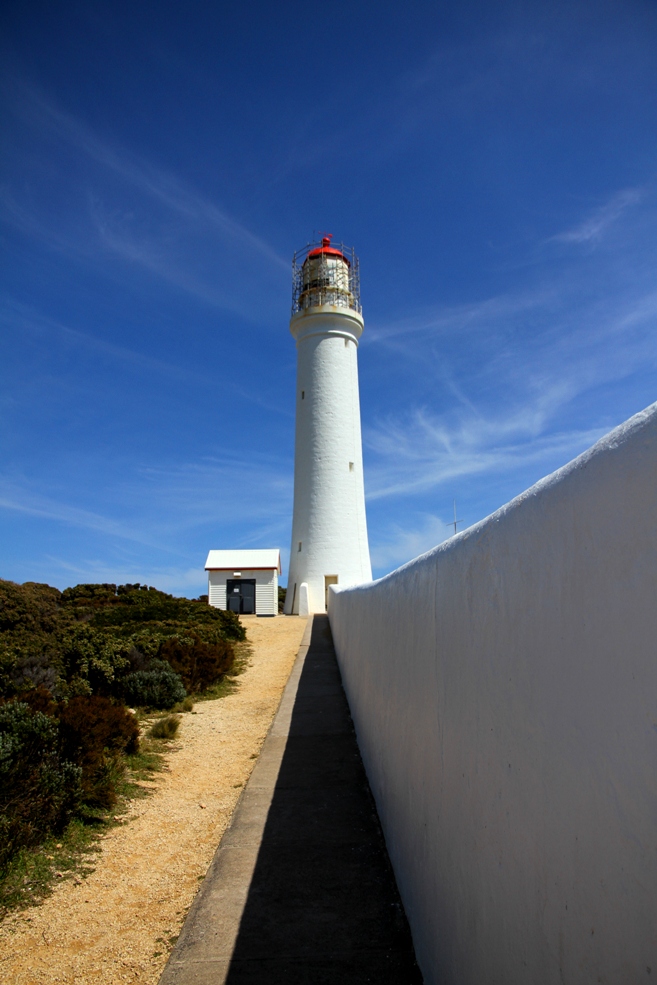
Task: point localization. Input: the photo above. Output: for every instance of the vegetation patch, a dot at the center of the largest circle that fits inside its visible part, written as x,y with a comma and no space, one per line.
30,874
158,687
228,684
78,669
165,727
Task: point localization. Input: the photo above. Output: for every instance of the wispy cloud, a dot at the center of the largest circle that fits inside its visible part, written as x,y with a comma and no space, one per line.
34,107
424,452
21,498
470,317
397,544
112,203
158,524
21,318
254,488
457,78
160,506
512,405
592,228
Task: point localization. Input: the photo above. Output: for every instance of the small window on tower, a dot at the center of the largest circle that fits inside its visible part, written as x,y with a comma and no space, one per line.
351,466
299,545
303,394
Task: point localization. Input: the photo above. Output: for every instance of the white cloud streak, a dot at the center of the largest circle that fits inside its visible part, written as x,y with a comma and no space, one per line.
398,544
158,505
20,318
592,228
111,203
161,185
473,317
21,498
424,453
511,401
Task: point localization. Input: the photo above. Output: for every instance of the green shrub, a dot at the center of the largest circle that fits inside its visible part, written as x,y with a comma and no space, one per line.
165,728
40,787
199,664
122,605
157,687
90,661
32,607
83,640
29,615
94,733
84,594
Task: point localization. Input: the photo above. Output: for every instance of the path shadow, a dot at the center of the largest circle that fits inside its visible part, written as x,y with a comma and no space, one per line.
323,905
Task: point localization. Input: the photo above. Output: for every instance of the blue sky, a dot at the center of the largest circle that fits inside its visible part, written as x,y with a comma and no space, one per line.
495,167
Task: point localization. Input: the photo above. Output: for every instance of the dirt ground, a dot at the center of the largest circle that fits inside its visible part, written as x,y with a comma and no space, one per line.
119,923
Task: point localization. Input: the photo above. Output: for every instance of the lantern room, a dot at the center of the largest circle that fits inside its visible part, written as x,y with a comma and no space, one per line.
325,275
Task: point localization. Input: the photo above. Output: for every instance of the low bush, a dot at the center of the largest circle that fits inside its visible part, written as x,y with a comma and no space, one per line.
137,605
93,734
186,705
39,699
40,787
31,607
199,664
165,728
158,687
91,661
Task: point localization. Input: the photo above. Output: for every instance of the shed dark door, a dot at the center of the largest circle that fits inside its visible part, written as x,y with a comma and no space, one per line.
240,595
248,596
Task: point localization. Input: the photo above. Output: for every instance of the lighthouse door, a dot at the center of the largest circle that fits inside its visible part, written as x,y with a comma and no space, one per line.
328,580
240,595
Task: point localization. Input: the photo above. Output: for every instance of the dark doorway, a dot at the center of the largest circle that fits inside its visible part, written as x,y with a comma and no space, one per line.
240,595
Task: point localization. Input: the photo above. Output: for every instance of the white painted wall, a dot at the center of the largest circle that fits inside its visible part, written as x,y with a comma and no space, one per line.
504,691
329,529
266,589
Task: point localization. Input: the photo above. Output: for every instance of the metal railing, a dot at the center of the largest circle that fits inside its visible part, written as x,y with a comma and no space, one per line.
329,282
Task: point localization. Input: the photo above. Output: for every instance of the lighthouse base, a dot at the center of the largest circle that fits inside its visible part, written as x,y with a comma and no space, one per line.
304,605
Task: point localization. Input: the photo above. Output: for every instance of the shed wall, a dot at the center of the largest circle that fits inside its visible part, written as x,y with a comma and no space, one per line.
266,589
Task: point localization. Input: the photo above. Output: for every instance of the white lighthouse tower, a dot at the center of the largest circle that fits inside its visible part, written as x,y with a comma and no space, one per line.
329,529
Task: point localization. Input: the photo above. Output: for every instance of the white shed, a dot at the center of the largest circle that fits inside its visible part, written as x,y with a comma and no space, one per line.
244,581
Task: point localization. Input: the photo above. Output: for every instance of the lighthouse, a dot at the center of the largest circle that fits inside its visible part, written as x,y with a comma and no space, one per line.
329,528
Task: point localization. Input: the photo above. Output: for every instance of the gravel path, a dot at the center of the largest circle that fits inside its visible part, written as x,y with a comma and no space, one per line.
118,924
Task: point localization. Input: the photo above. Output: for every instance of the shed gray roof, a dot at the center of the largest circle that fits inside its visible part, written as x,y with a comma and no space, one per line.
234,560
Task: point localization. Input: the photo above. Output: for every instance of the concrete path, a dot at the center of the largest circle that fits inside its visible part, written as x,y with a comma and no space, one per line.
301,890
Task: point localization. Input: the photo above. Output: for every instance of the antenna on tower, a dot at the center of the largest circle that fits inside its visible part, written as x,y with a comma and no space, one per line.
452,523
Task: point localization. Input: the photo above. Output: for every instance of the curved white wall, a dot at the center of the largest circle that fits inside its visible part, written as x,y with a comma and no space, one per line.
329,500
504,692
